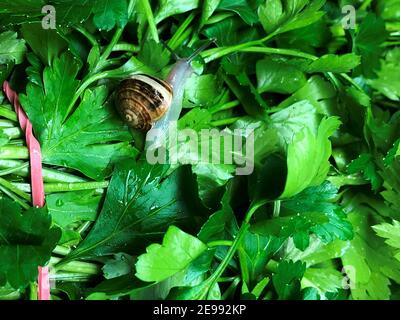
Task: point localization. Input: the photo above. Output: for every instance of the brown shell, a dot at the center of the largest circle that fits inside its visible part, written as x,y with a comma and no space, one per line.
142,99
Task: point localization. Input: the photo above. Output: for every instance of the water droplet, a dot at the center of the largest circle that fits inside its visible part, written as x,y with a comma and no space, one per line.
59,203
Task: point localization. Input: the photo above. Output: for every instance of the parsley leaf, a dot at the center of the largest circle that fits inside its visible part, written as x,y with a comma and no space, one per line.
367,43
287,279
311,211
26,242
177,251
242,8
388,81
391,232
371,262
366,165
138,208
12,49
308,147
278,76
279,16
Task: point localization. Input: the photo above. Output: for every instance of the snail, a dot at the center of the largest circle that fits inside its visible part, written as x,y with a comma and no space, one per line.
145,102
142,100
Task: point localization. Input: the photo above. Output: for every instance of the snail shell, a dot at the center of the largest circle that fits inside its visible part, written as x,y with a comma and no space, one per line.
142,99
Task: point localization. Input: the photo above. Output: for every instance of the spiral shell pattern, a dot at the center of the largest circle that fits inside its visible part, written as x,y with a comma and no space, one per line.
142,99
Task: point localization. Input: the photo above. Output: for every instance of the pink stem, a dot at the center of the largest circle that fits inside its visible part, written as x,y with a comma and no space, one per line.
35,156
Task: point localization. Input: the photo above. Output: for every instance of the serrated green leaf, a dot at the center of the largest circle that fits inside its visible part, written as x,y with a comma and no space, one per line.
334,63
274,75
169,8
370,263
12,49
121,264
289,15
46,44
365,164
21,236
177,251
242,8
368,43
388,80
209,7
69,207
287,278
254,253
138,208
107,14
391,232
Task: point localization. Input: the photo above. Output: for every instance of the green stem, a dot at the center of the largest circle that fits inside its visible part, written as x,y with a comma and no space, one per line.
173,42
236,242
65,187
219,17
8,114
387,104
182,38
87,34
13,152
6,124
70,277
277,208
389,44
216,53
7,192
49,175
349,180
150,20
226,106
231,289
83,227
218,243
228,279
63,251
272,266
117,35
225,122
365,5
351,81
78,186
85,85
125,47
74,266
12,133
283,52
15,169
16,142
33,291
244,270
8,185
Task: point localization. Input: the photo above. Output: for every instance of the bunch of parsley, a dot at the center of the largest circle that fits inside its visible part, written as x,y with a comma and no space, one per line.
317,219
